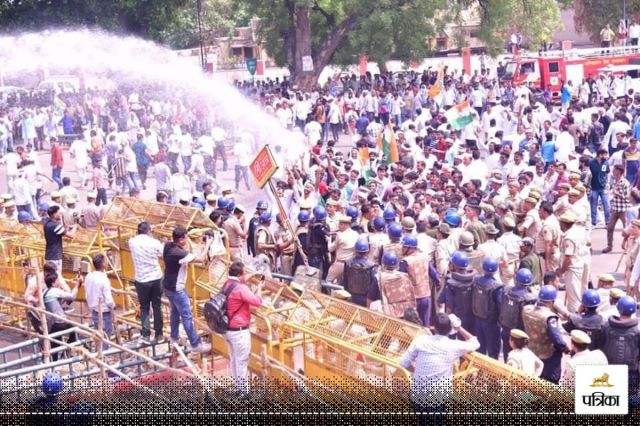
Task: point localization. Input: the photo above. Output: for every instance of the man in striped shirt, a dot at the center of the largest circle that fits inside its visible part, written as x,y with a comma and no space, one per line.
54,231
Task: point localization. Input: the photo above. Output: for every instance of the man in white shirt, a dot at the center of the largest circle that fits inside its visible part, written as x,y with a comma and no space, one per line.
11,160
313,132
617,126
242,152
79,150
180,186
97,290
145,252
565,145
22,194
285,115
131,168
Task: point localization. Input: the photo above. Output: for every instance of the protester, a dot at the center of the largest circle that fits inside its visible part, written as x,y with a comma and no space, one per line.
145,253
240,300
177,256
431,359
97,290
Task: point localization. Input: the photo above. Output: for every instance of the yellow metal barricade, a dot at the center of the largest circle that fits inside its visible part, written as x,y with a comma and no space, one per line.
122,220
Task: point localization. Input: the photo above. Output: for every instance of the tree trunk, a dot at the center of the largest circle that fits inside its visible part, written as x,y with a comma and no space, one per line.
302,45
290,36
321,58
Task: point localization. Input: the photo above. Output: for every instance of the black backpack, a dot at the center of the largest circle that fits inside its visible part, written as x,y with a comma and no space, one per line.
215,310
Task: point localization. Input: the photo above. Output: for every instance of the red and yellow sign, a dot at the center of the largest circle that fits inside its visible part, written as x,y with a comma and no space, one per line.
263,166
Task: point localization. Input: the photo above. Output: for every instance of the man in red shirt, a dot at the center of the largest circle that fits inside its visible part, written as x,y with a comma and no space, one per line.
239,303
57,161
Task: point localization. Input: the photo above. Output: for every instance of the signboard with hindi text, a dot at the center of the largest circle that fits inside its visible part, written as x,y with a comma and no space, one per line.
263,166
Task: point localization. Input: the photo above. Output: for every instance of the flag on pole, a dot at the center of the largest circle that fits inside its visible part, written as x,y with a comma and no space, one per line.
388,145
436,89
459,116
363,155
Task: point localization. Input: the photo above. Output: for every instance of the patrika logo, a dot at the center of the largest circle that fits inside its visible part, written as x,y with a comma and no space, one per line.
602,381
602,389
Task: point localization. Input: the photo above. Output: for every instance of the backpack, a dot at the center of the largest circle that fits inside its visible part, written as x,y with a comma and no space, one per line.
215,310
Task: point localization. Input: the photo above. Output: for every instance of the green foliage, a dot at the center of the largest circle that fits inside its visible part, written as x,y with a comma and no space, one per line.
169,21
399,29
536,20
219,18
592,15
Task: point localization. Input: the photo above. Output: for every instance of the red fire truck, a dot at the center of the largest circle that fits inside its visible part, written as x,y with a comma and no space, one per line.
548,70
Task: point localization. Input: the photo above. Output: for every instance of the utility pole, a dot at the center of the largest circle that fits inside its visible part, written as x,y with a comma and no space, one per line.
203,54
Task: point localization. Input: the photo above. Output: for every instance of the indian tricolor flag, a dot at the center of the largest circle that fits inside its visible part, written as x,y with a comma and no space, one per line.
388,145
459,116
435,91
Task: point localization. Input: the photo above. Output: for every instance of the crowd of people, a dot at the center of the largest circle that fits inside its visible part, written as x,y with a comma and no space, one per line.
420,195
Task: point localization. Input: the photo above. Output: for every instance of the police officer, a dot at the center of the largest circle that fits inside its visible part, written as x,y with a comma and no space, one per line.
353,213
621,342
359,274
342,245
530,260
511,243
265,241
588,320
456,295
395,244
261,207
515,298
491,248
301,236
416,265
317,241
543,328
572,263
443,250
485,302
453,219
613,297
389,216
395,289
377,239
466,244
285,243
223,203
580,355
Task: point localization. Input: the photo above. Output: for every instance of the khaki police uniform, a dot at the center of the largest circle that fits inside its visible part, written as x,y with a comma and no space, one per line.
571,244
511,244
234,232
344,248
549,233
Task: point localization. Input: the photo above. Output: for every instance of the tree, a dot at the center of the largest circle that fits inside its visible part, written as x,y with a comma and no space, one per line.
173,22
592,15
219,19
338,31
